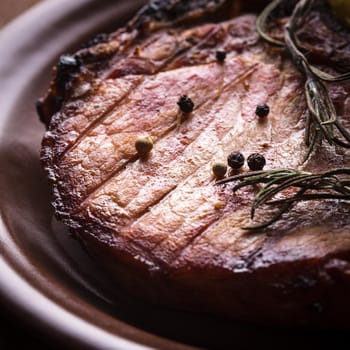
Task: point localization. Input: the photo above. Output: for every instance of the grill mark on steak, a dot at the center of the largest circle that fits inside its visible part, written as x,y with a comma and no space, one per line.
137,61
199,149
193,190
247,113
248,95
124,70
223,243
49,137
184,52
189,155
155,126
164,160
169,256
279,156
185,58
99,119
118,137
77,116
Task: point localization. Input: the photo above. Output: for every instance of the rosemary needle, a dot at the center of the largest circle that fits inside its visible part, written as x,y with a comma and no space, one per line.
293,186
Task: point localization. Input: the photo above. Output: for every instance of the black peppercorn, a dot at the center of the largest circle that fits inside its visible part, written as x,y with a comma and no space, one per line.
220,56
185,104
235,160
256,161
262,110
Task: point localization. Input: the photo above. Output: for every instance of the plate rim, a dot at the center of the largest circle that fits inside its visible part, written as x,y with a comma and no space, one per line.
59,324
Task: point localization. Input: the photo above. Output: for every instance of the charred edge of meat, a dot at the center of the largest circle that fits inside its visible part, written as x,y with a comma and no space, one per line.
48,106
100,38
65,72
40,109
69,68
96,52
162,13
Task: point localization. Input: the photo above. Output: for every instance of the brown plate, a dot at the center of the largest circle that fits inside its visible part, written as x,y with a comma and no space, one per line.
45,277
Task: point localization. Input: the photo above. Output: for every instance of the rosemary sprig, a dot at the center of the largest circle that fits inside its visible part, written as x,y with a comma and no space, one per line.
322,122
262,20
293,186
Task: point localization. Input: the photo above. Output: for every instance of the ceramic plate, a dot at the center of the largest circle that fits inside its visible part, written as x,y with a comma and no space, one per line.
46,278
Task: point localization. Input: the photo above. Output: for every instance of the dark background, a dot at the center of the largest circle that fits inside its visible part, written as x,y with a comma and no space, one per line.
15,333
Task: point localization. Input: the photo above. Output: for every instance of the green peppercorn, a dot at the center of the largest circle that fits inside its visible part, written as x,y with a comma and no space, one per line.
143,145
235,160
219,169
262,110
186,104
256,161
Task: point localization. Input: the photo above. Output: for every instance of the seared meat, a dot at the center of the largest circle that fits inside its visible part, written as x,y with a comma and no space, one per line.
158,224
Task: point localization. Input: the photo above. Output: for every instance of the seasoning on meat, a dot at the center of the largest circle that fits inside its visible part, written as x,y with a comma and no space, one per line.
219,169
186,104
256,161
235,160
143,145
262,110
220,56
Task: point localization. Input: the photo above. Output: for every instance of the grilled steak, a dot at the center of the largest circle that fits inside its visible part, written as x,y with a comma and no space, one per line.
158,224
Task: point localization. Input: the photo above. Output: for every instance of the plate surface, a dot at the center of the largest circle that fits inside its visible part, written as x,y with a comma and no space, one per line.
46,278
